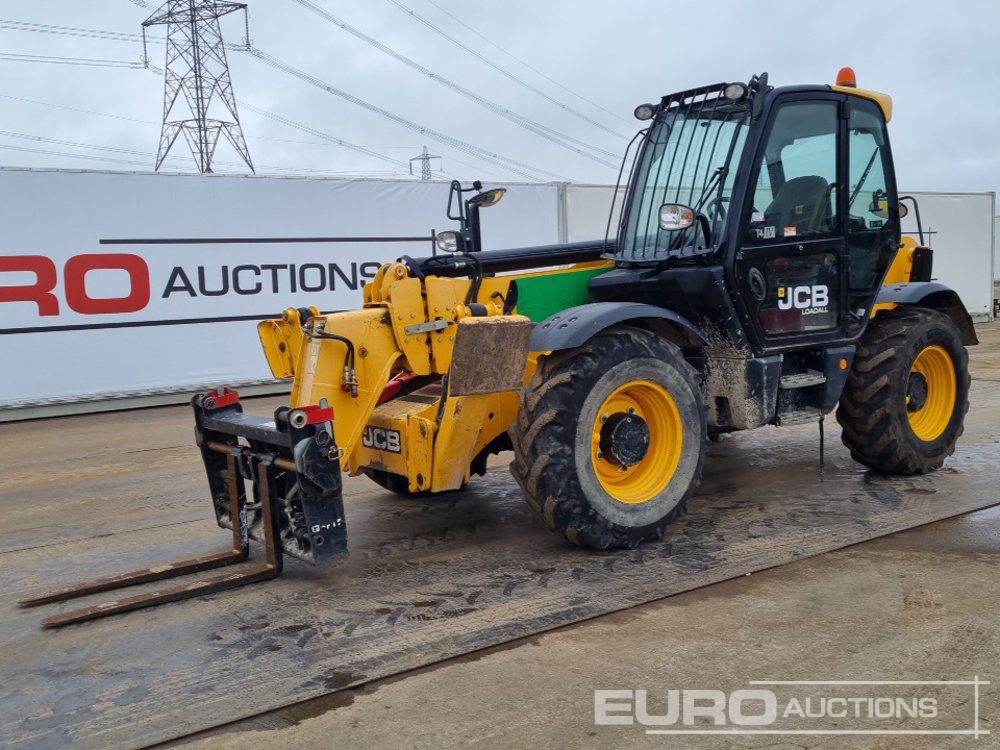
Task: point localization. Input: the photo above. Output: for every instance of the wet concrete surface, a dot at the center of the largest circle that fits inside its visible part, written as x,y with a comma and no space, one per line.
984,359
917,605
436,578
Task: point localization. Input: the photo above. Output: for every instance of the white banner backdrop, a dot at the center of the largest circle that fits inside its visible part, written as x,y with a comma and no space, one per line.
996,248
959,229
587,210
121,285
960,224
117,284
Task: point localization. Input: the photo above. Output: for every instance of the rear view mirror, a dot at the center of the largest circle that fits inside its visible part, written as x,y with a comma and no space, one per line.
880,204
489,198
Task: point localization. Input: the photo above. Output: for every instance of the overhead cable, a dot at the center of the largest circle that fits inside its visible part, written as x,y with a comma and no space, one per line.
550,134
320,134
84,61
45,28
503,71
330,140
150,156
514,57
524,170
110,159
76,109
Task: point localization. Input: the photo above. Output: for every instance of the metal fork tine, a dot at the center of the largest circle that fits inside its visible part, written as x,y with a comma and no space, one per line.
135,577
239,552
271,568
187,591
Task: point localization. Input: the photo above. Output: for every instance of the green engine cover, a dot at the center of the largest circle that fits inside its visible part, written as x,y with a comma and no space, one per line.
538,297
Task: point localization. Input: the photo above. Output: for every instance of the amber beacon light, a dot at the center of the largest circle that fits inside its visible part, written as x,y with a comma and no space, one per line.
846,77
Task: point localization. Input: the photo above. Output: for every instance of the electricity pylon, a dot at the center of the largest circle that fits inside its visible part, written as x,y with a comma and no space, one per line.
197,68
425,164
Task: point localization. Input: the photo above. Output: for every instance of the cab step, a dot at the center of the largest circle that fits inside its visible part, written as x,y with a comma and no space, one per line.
801,380
804,415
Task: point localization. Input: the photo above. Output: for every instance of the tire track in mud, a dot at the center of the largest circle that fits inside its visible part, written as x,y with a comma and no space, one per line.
432,579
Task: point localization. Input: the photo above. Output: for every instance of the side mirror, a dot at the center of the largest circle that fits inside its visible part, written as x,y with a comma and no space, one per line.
880,203
489,198
449,242
674,216
903,210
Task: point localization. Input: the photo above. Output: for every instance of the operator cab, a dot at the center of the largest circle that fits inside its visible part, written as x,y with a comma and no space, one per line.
785,196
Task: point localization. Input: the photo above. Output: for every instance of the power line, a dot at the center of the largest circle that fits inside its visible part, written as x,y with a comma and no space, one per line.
320,134
522,62
76,109
77,144
479,153
173,161
524,170
84,61
503,71
47,152
133,38
527,171
59,142
121,36
331,140
554,136
117,36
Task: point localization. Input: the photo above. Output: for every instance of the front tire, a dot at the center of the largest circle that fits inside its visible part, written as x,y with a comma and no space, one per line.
904,405
610,439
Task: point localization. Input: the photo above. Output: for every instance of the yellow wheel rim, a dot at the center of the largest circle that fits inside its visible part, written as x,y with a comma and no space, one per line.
931,413
646,479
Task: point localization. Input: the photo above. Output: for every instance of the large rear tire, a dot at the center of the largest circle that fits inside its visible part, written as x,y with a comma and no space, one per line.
904,405
610,439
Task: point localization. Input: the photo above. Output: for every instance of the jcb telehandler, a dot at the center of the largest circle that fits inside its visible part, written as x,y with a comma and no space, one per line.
757,277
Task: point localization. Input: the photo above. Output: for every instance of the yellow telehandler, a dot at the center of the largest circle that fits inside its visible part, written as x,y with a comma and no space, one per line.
756,276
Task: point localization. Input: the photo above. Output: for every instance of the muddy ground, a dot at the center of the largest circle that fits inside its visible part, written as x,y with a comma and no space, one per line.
355,657
914,605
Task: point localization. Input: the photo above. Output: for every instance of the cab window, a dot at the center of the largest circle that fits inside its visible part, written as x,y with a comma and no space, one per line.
795,193
869,226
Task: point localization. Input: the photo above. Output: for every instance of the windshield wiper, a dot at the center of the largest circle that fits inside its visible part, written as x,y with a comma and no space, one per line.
864,177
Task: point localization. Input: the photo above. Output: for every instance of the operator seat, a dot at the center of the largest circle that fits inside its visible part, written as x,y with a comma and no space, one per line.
803,203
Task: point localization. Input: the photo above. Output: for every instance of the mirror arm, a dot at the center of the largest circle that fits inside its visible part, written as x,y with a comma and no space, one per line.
706,227
471,228
916,212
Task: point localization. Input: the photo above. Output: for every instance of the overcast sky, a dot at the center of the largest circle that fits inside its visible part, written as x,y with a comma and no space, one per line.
939,61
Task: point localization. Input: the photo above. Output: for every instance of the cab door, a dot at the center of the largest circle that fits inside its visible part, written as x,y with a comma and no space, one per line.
791,262
872,209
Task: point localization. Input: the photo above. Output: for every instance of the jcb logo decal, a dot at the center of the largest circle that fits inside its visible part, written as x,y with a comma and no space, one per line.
381,439
809,299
